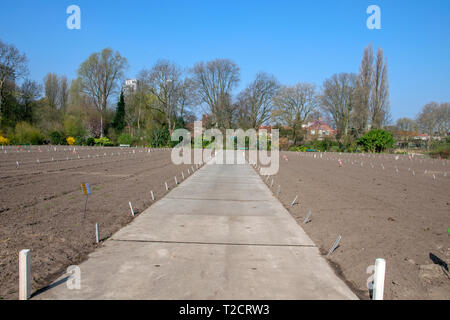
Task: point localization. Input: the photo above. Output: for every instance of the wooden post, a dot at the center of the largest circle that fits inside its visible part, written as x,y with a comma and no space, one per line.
167,188
378,281
24,275
153,196
131,208
97,234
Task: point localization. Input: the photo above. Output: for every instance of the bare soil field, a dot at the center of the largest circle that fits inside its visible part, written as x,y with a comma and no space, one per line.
383,206
42,203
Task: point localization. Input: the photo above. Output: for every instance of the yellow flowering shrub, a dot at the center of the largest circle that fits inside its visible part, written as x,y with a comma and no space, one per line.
70,141
3,140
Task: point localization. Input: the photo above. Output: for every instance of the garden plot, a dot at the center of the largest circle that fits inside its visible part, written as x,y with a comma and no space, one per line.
395,207
42,203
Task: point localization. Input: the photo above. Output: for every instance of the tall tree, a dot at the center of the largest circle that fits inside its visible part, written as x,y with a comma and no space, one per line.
13,66
338,100
294,104
428,119
360,117
379,105
255,103
119,117
52,92
165,82
63,96
214,82
30,91
100,75
406,124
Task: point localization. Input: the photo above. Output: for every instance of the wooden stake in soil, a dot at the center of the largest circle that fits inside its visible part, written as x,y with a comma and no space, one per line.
24,275
293,202
167,187
378,281
278,190
307,218
176,181
131,208
97,234
336,243
153,196
182,174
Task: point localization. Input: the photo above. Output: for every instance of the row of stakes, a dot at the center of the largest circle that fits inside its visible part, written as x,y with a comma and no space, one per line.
38,161
380,264
24,255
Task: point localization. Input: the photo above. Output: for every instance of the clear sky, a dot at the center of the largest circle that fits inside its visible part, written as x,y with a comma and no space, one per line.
297,41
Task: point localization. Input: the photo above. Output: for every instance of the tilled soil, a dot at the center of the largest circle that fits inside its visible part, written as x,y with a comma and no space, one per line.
400,213
42,203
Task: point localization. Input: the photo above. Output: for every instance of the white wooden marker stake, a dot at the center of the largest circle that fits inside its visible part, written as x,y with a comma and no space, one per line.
167,188
307,217
131,208
278,190
189,172
153,196
293,202
182,174
24,275
334,245
271,184
97,234
378,281
176,181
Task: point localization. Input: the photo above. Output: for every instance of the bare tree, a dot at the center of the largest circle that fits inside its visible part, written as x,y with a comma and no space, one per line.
63,96
338,100
51,83
165,82
293,105
100,75
30,91
428,119
360,116
13,66
214,83
256,101
406,124
379,104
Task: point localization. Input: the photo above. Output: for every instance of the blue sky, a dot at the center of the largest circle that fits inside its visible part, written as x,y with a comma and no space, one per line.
297,41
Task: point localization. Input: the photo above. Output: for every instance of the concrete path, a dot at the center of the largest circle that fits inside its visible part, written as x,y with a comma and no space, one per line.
221,234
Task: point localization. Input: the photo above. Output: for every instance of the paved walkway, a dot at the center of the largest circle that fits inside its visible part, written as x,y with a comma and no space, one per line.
221,234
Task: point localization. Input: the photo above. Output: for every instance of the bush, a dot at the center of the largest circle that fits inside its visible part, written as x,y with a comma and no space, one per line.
70,141
56,138
90,141
376,141
160,137
104,141
4,141
125,138
24,133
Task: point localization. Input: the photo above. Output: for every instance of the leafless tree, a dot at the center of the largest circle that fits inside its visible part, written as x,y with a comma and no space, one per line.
379,104
214,82
100,76
165,81
294,104
338,100
406,124
13,66
360,114
428,119
63,96
51,84
256,101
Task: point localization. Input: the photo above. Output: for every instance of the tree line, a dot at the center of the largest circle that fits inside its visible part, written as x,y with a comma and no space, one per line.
167,96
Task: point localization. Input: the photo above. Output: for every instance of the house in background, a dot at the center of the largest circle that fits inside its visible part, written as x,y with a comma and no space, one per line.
318,130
